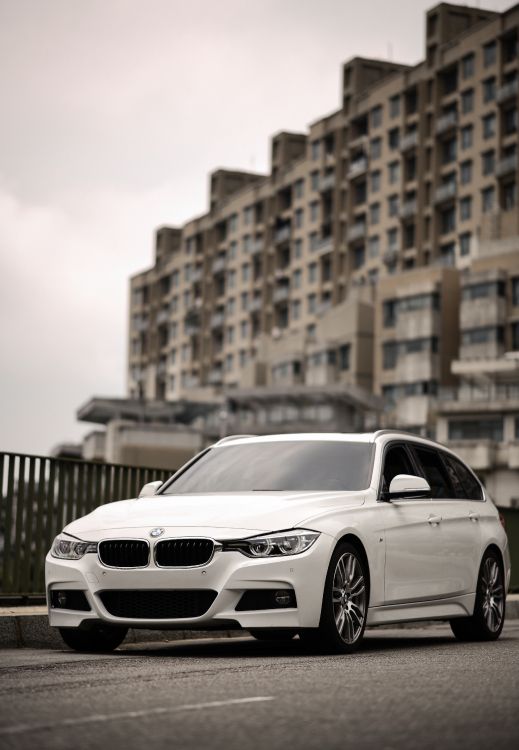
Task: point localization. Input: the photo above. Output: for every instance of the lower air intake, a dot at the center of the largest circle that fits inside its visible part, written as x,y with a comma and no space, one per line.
157,604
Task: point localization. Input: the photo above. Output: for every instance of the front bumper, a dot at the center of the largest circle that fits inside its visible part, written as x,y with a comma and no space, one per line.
230,574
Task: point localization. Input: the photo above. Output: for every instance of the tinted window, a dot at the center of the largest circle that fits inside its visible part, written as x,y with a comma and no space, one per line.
471,486
454,478
396,461
435,472
281,465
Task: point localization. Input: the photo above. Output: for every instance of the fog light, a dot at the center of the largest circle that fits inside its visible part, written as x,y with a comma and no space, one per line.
282,598
61,599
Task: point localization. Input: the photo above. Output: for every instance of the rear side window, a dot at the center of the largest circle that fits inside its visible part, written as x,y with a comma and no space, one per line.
469,483
460,492
434,471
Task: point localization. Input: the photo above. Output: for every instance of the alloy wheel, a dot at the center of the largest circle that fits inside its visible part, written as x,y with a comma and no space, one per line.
349,597
493,594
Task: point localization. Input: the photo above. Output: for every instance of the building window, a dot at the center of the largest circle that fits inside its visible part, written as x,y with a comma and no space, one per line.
487,199
344,357
375,181
244,301
515,292
298,218
489,54
515,341
483,290
296,309
389,308
245,272
376,116
465,208
231,306
484,335
392,238
299,186
476,429
374,213
314,180
296,279
449,149
315,146
389,355
314,241
467,101
298,248
488,162
509,195
467,66
394,139
359,256
465,172
448,220
448,254
233,223
314,211
375,148
465,239
510,121
312,303
394,106
373,246
394,172
489,89
489,126
229,362
466,136
244,329
312,273
392,205
248,213
247,243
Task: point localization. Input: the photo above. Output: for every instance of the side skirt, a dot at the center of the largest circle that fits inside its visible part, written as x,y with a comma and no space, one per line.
436,609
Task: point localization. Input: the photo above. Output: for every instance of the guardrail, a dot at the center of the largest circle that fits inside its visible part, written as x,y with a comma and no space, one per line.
40,495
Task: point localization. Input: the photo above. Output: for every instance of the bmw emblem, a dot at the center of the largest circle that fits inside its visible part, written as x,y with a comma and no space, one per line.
156,532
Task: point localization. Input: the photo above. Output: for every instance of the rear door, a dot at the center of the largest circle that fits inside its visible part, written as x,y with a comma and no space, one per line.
458,539
414,566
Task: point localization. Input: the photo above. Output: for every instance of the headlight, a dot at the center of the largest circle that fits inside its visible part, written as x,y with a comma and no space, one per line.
278,544
71,549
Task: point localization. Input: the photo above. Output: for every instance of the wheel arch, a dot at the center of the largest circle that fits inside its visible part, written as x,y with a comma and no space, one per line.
356,542
495,548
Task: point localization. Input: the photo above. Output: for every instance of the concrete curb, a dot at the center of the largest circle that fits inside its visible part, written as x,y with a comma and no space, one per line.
28,627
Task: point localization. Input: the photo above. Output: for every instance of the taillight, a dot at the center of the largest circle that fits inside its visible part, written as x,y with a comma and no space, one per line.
502,520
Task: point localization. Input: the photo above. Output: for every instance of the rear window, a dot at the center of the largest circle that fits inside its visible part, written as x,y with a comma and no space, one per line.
297,465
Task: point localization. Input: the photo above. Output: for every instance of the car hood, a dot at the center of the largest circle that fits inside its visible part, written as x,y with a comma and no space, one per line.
224,515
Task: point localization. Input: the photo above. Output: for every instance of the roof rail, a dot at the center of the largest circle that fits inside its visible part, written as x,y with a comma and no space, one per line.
229,438
379,433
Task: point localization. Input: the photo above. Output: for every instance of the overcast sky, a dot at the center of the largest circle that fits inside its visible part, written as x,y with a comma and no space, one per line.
112,114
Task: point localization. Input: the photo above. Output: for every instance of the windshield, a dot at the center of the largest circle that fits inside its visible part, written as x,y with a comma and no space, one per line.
295,465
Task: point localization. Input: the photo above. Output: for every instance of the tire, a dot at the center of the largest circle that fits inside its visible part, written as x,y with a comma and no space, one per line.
99,638
487,621
273,634
345,604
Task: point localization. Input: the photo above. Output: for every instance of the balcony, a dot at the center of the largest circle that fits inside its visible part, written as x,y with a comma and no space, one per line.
507,91
218,265
255,304
357,231
215,376
409,140
282,235
506,165
217,320
408,209
324,246
446,122
163,316
197,275
327,183
445,192
357,167
281,294
257,246
390,257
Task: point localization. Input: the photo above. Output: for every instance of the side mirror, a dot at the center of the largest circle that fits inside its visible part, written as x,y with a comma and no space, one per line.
408,486
150,489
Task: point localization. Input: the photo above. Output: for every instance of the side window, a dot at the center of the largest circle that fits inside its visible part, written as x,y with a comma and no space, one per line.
469,482
454,477
396,461
435,472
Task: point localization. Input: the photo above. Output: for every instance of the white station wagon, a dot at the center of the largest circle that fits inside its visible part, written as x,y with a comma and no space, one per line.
315,535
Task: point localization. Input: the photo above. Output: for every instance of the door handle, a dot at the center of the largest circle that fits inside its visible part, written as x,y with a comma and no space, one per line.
474,516
434,520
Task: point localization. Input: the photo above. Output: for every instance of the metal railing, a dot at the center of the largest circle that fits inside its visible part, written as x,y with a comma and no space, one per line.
40,495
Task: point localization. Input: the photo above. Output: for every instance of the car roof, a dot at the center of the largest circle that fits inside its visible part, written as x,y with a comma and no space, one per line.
345,437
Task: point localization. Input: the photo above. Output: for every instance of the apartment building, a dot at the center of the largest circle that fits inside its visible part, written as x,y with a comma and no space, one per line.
415,169
357,281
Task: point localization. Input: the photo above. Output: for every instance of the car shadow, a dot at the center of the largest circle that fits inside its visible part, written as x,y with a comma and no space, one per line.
240,647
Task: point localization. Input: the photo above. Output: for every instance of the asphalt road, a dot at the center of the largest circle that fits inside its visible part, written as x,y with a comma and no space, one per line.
404,689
